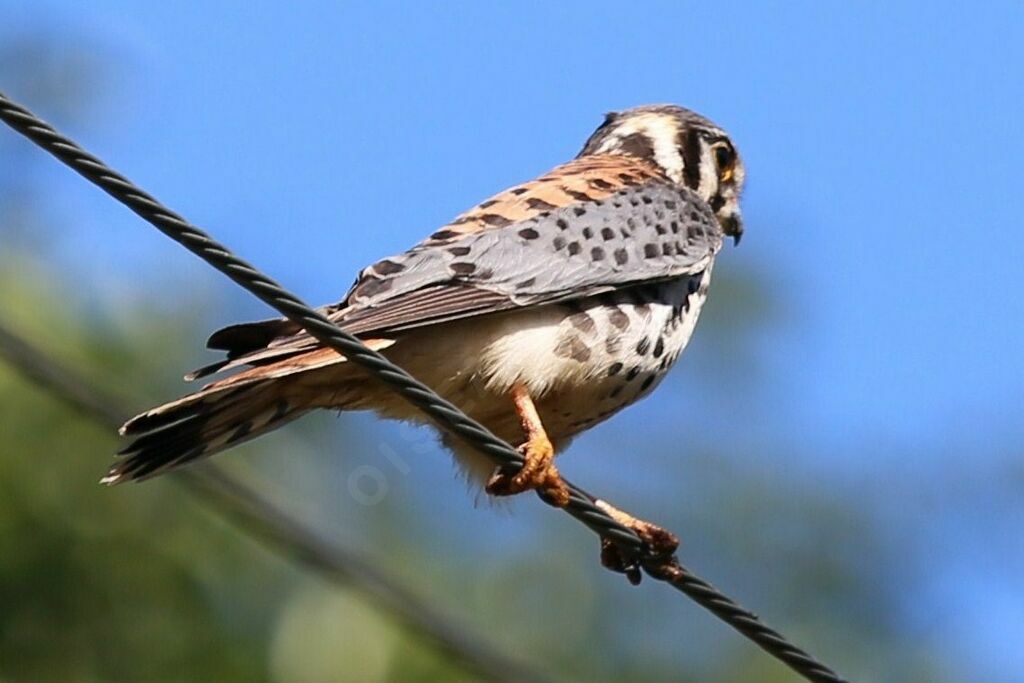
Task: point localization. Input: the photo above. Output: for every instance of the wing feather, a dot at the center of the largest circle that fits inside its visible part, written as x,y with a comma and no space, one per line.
638,230
640,234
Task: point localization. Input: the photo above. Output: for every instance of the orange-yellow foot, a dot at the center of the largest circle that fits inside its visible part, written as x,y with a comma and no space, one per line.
659,542
537,473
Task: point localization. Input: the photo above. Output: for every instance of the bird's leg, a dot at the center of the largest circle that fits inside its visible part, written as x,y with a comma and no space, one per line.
660,542
538,471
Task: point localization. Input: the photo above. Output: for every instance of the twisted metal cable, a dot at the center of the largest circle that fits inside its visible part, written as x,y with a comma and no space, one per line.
446,415
275,528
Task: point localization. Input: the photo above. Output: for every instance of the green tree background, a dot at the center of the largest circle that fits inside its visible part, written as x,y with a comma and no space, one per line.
142,583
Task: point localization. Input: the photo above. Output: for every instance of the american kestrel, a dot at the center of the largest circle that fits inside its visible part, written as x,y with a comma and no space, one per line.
540,312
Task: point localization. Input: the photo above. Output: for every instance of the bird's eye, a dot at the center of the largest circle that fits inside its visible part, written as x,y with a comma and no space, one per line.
725,159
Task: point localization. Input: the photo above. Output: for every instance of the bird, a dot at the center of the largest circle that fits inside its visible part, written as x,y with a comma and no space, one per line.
540,312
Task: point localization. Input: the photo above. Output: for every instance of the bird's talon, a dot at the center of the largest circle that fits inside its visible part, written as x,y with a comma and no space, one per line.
658,544
500,483
537,473
613,559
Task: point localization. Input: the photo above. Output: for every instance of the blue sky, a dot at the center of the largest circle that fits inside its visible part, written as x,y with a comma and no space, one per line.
881,149
881,146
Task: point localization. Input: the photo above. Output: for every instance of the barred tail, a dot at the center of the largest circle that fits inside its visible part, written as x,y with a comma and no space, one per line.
201,424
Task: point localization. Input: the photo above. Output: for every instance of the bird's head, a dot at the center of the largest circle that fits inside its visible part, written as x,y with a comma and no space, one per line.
689,149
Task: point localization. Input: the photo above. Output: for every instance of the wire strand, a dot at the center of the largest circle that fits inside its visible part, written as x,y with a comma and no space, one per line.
447,416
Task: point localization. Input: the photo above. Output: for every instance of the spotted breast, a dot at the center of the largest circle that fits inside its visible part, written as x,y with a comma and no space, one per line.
627,341
583,360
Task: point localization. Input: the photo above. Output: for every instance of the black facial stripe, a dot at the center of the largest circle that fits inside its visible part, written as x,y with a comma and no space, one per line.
691,159
637,145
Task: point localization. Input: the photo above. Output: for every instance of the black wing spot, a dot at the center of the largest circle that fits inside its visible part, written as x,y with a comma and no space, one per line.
372,287
558,243
607,234
388,267
540,204
574,248
651,250
579,210
621,256
529,234
597,254
562,224
463,268
614,369
444,235
458,251
496,220
643,346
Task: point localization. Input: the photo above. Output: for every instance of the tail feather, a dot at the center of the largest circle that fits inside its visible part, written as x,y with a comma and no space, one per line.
227,412
200,425
185,408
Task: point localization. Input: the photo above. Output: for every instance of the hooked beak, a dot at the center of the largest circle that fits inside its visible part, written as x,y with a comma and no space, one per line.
732,225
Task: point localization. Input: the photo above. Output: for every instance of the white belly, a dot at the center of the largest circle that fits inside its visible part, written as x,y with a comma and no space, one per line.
581,362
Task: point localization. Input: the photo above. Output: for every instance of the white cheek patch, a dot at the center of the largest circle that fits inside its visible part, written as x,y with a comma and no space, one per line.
662,133
708,172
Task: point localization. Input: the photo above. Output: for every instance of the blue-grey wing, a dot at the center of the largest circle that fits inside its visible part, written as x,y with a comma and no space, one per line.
638,235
